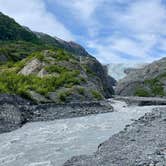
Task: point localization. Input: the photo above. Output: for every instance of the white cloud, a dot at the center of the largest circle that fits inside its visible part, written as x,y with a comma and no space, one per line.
33,13
139,30
82,9
144,17
130,27
111,53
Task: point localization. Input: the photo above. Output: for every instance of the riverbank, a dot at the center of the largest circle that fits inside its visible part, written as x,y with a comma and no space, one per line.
141,144
54,142
15,111
142,101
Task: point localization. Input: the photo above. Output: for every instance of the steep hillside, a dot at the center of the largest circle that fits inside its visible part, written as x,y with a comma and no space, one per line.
71,47
47,69
17,42
10,30
147,81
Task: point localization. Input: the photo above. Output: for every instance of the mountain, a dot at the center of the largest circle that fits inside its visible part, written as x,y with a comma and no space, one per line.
47,69
119,70
147,81
10,30
71,47
17,42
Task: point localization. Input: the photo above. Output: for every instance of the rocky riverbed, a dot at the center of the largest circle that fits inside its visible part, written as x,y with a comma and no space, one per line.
15,111
142,101
141,144
52,143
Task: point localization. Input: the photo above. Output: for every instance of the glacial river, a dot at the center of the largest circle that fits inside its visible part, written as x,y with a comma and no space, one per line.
52,143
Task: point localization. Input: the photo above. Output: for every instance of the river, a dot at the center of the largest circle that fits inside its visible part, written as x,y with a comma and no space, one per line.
52,143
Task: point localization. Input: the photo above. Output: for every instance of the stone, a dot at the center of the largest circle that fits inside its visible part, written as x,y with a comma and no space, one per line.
32,67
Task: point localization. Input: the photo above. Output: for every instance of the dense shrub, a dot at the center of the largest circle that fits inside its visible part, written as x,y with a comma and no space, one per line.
10,30
141,92
56,69
13,83
155,86
17,50
97,95
81,90
62,96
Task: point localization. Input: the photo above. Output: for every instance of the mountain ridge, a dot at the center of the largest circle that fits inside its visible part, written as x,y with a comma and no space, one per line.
48,69
148,81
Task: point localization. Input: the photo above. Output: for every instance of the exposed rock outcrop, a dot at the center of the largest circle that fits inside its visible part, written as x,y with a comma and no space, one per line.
32,67
147,81
102,75
15,111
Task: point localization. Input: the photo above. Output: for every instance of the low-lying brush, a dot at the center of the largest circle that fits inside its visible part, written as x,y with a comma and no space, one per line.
13,83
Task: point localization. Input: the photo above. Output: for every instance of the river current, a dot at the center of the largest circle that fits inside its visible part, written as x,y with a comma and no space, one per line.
52,143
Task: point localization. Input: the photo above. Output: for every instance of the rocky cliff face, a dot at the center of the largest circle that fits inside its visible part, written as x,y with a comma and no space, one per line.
147,81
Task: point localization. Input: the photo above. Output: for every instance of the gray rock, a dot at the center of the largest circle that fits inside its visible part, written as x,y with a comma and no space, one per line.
141,144
136,78
103,80
3,58
38,98
142,101
15,111
32,67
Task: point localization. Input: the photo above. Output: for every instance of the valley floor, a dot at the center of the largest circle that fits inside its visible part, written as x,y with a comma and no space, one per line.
141,144
52,143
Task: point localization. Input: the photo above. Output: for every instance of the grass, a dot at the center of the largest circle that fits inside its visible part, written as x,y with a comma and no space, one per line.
155,87
61,55
141,92
97,95
13,83
62,96
18,50
56,69
81,90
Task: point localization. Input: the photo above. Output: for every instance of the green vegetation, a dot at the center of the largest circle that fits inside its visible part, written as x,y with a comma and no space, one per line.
62,96
81,90
17,50
156,87
10,30
56,69
88,70
96,94
19,46
141,92
13,83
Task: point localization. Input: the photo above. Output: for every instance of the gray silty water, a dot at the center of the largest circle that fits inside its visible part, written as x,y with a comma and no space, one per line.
52,143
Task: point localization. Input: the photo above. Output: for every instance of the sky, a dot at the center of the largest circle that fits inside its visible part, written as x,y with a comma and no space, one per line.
114,31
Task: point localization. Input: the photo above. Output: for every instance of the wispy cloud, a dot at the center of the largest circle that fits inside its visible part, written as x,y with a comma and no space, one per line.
138,29
112,30
33,14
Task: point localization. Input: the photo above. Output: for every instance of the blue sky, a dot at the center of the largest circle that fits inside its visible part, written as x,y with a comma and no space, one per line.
114,31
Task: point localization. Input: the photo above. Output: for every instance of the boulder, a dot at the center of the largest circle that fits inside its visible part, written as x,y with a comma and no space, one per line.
32,67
